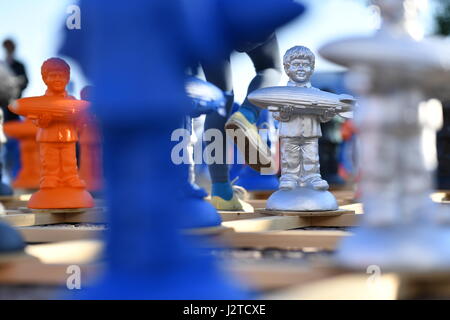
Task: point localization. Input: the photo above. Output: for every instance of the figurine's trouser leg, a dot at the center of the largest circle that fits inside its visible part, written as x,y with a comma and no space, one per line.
290,158
310,165
69,169
220,75
50,162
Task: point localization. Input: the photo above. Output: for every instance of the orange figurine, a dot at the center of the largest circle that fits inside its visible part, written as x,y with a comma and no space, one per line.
56,114
25,132
90,149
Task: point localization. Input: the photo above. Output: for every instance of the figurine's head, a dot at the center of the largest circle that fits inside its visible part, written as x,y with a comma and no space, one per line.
299,63
56,74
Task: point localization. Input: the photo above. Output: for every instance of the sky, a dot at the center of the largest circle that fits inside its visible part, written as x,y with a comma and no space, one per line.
36,24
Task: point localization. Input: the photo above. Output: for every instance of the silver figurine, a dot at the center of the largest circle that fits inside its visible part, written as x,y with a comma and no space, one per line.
300,108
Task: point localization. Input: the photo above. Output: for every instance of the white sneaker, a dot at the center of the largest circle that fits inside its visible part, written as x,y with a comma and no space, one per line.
318,183
287,184
254,144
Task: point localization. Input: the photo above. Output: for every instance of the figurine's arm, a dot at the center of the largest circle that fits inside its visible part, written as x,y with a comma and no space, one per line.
282,114
327,116
43,120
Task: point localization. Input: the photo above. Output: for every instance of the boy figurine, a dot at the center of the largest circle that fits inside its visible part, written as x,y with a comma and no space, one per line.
56,115
300,133
300,109
56,139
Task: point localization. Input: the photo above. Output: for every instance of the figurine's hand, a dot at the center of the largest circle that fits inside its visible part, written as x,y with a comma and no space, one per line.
285,113
44,120
327,116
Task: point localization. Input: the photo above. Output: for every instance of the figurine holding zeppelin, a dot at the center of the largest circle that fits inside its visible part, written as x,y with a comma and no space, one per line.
300,108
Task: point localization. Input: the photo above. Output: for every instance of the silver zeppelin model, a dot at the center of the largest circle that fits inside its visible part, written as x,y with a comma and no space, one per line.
302,100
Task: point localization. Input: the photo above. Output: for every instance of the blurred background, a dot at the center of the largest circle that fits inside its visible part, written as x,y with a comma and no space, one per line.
35,27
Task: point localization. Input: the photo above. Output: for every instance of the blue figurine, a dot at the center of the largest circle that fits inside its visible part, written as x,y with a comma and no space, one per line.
135,55
206,99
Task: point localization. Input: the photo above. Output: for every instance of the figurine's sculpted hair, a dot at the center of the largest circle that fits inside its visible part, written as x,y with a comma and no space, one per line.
299,52
54,64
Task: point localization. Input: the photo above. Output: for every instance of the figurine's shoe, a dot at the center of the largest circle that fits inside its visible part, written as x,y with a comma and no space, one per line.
49,183
287,184
254,147
252,180
201,214
317,183
10,239
234,204
75,183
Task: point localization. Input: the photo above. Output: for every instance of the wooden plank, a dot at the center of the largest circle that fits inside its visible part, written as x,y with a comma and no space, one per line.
239,215
47,265
18,219
67,252
264,276
37,273
345,220
59,233
267,223
293,239
56,233
23,219
354,286
92,215
208,231
18,197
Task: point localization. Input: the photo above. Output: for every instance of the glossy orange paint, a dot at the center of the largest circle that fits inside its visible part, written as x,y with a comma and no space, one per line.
57,115
25,133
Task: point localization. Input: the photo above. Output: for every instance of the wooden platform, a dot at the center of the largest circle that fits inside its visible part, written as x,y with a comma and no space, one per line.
47,265
69,237
287,240
24,217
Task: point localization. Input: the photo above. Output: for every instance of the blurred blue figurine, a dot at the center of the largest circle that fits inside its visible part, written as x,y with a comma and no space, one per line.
10,239
206,99
265,57
136,56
